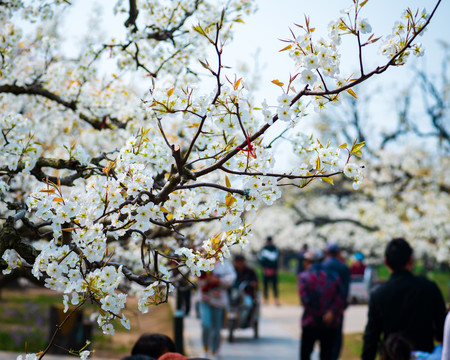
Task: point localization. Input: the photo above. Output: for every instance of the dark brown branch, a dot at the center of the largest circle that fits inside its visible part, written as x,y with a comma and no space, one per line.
319,221
280,176
133,14
169,34
212,185
39,90
11,239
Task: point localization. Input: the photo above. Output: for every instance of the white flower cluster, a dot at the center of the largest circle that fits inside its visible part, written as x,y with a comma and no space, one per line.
18,147
61,266
319,60
12,259
324,159
401,35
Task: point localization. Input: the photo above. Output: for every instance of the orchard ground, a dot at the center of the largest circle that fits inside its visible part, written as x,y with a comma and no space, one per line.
24,319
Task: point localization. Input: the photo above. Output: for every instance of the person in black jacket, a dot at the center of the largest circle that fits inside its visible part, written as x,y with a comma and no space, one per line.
406,304
268,257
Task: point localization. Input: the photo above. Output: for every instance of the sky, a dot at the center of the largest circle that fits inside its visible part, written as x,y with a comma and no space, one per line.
262,33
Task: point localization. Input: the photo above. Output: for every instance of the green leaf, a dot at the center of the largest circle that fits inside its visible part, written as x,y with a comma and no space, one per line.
205,64
357,153
343,146
358,146
328,179
199,29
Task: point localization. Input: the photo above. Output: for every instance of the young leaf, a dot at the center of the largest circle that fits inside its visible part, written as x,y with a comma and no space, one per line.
236,84
352,93
230,200
227,181
277,82
286,48
199,29
358,146
328,179
343,146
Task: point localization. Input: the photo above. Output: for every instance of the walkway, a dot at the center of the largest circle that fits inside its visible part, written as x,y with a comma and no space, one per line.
279,334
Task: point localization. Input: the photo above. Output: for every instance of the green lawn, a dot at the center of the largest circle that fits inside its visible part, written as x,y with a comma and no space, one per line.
288,283
442,278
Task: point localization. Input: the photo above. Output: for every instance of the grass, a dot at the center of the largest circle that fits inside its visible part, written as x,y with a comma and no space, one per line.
24,324
24,321
352,347
287,283
441,278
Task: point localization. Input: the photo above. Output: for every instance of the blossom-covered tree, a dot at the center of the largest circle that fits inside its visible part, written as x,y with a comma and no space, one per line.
406,191
104,183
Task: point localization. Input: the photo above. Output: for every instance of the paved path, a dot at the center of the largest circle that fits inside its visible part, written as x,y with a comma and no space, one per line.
279,334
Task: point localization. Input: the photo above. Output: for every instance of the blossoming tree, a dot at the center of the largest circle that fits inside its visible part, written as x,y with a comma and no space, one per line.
407,188
103,183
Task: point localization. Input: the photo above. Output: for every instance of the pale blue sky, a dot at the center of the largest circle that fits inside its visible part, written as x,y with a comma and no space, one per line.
271,23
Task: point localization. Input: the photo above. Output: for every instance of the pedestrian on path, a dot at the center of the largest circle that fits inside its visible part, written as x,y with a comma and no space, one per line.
321,296
334,262
214,300
268,257
406,304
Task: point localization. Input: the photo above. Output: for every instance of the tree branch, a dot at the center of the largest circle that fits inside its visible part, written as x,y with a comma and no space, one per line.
133,14
39,90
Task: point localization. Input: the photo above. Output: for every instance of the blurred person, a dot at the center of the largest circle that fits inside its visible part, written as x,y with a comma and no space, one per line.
153,345
183,291
246,274
214,287
334,262
357,267
406,304
446,338
396,347
177,356
173,356
301,255
268,257
138,357
321,296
